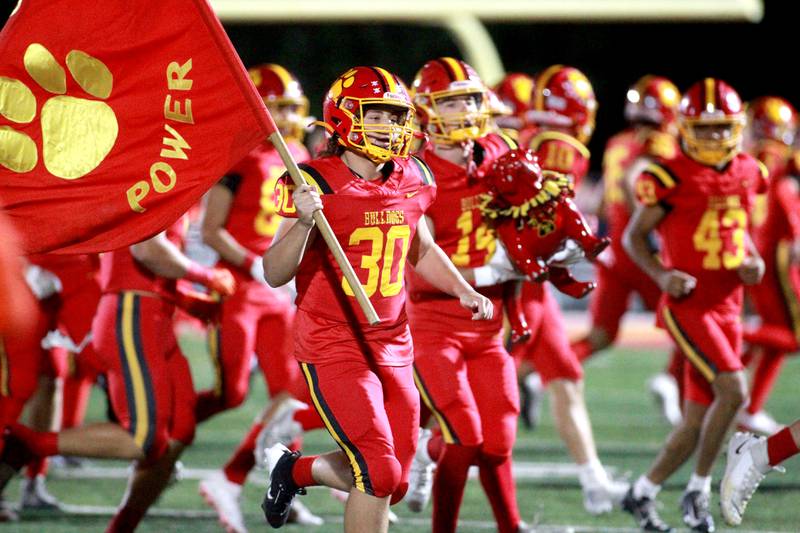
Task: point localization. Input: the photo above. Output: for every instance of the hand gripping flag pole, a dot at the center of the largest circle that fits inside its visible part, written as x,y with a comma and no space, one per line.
322,223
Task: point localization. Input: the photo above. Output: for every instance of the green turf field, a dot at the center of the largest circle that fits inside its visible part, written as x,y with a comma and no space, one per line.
627,427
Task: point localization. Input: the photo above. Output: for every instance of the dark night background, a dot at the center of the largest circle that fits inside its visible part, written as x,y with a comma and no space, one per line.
757,59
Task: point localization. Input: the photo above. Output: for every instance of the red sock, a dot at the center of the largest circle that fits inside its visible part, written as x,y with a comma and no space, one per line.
40,443
126,520
36,467
781,446
243,459
309,419
436,446
448,485
583,349
498,484
766,373
76,397
301,471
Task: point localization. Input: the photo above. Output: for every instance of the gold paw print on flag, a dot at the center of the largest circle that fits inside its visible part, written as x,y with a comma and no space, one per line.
345,80
77,133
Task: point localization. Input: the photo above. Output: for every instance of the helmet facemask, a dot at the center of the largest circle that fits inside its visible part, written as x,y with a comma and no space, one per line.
703,147
449,127
293,123
396,136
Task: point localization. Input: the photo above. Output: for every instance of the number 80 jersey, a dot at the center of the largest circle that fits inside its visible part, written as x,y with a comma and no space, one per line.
375,222
708,216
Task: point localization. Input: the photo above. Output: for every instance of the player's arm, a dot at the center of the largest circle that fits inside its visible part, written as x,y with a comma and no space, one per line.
161,257
293,237
432,264
644,220
218,207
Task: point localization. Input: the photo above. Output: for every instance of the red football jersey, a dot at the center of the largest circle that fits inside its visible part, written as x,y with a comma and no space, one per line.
119,271
72,270
561,153
775,216
703,232
621,151
459,229
253,218
375,222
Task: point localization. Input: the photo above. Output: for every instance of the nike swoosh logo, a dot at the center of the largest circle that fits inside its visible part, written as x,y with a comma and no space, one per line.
738,449
411,194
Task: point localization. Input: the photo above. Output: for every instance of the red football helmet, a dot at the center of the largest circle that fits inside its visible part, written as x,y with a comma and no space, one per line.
348,100
772,117
707,103
277,86
653,100
443,78
563,97
516,91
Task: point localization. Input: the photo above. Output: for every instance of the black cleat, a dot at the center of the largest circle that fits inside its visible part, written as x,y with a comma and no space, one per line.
694,507
282,489
644,511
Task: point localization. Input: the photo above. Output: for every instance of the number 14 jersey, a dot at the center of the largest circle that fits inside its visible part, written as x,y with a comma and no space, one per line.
708,217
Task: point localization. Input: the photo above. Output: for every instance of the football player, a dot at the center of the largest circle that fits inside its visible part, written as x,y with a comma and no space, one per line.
699,203
650,110
359,376
149,381
564,108
769,135
464,374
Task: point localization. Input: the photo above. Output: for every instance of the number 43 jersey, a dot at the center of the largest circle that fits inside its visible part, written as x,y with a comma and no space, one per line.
708,217
375,222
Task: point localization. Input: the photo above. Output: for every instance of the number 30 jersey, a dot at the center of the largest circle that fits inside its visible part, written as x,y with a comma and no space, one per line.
375,222
708,217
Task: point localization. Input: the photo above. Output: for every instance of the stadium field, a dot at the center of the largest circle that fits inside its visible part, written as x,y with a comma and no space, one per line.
628,430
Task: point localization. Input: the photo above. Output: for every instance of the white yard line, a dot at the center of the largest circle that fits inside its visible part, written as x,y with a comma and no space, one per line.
96,510
522,470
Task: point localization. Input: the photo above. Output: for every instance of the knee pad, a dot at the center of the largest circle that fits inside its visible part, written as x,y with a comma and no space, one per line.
384,477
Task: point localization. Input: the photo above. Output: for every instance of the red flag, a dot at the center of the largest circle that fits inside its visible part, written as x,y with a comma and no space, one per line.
115,117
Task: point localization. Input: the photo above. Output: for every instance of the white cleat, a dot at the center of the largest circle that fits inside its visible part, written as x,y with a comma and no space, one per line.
742,477
281,429
223,496
761,423
420,476
665,392
393,518
302,515
603,495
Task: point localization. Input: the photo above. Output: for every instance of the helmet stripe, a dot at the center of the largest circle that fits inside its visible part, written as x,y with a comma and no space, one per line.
388,79
456,68
381,78
541,84
282,73
711,97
